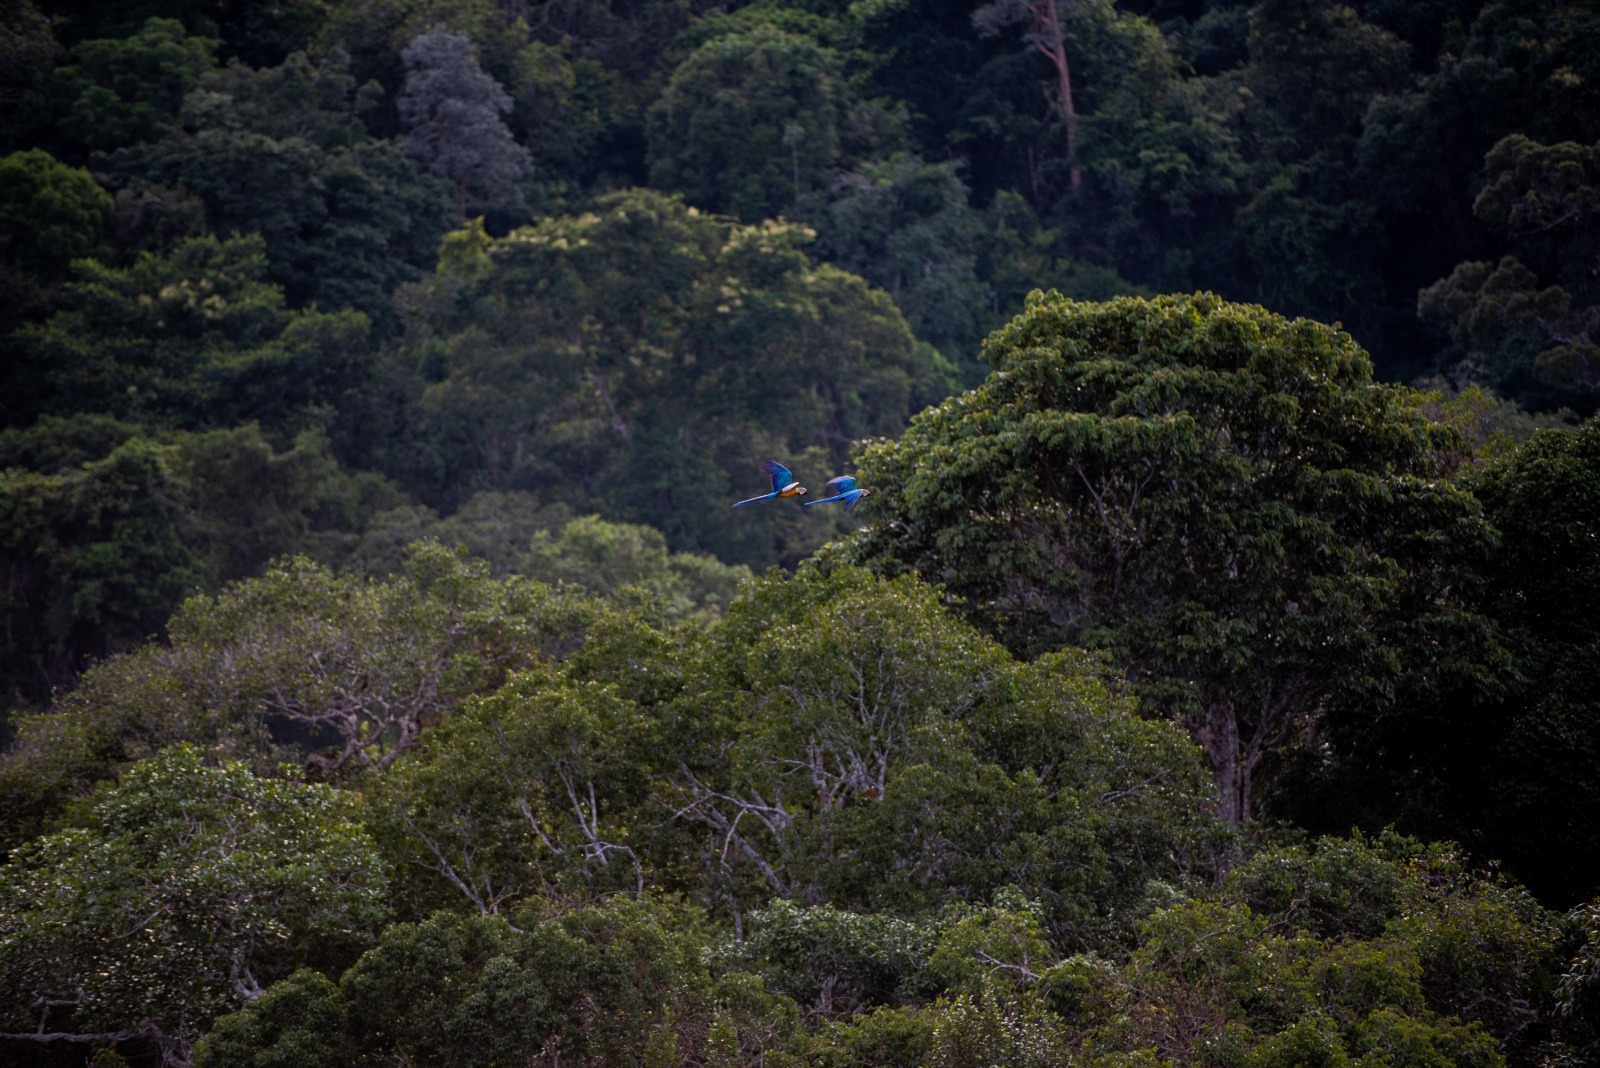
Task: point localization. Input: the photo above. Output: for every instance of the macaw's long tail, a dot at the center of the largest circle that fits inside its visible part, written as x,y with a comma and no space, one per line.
752,500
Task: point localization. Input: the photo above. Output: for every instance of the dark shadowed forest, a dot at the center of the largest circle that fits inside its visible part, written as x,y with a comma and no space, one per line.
1202,677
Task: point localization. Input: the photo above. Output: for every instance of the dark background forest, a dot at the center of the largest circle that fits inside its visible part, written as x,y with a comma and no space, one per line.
1208,679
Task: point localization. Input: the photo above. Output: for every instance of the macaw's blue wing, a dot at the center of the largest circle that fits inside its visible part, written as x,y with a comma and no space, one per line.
780,474
843,484
844,487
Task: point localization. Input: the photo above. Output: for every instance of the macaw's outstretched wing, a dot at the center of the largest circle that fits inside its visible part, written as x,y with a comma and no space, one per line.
844,489
779,473
843,484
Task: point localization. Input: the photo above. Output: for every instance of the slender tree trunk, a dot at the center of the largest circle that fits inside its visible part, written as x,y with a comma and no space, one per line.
602,392
1051,44
1229,767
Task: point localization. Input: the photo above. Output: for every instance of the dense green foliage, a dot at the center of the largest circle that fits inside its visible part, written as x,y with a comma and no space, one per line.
50,214
341,672
1318,158
1509,766
196,338
1352,951
1221,498
754,118
629,358
387,680
212,216
838,823
107,530
174,894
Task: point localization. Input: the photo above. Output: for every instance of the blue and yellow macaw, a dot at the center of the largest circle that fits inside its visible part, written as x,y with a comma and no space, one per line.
844,490
783,484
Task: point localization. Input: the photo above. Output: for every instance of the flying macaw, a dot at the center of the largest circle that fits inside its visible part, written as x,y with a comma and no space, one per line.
844,488
783,484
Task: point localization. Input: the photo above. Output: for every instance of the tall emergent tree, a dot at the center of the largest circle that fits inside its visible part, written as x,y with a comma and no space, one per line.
452,111
1042,32
1223,498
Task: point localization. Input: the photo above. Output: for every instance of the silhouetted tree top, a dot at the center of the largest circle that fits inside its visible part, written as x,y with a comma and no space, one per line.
452,111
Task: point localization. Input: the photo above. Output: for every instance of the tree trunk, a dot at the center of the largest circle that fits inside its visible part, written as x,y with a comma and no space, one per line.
1229,767
1053,46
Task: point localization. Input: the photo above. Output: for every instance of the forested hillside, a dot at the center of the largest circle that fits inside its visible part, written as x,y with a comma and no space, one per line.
1206,676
